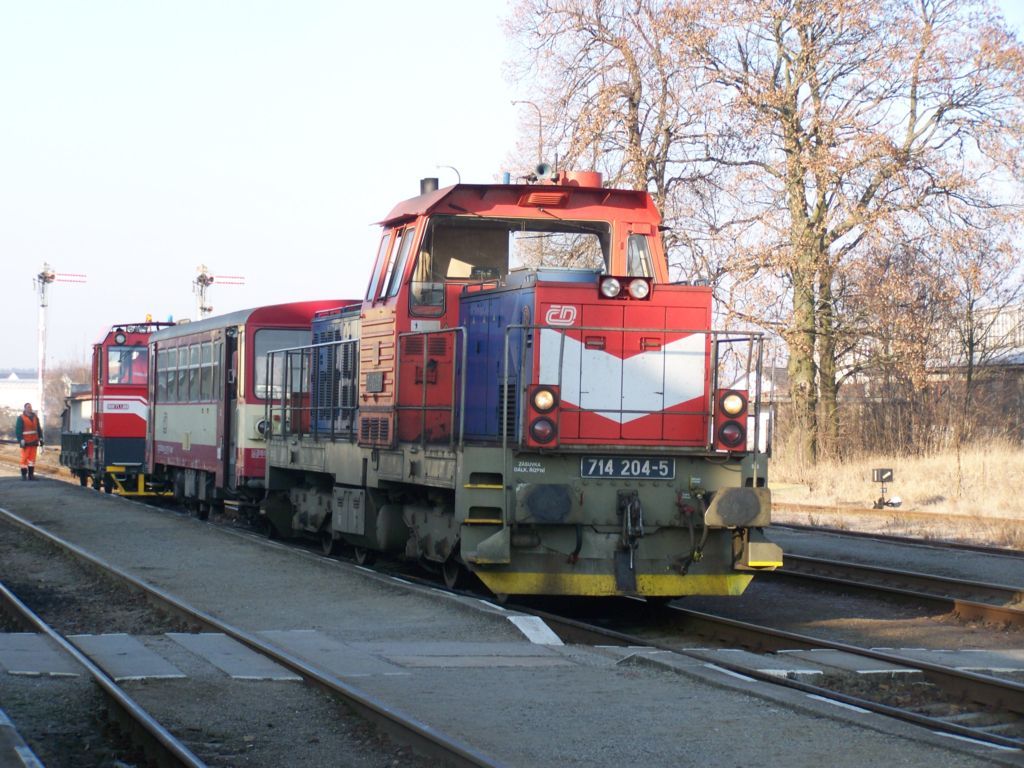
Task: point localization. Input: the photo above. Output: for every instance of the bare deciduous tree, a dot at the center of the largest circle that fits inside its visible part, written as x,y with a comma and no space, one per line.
796,142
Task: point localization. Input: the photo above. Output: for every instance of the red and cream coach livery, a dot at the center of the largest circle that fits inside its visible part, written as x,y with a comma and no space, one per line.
524,393
208,390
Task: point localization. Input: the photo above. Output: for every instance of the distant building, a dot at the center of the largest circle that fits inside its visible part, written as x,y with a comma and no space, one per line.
17,387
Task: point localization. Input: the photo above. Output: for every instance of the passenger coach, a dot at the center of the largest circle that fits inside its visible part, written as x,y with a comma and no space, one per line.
208,391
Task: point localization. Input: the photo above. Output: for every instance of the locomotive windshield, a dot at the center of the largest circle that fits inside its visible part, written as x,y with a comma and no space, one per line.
481,248
127,365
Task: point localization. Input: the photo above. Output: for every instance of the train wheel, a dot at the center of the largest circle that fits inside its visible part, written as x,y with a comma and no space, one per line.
328,544
363,555
452,571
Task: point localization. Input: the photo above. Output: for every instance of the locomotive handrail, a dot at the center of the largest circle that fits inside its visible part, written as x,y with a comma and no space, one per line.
456,430
304,388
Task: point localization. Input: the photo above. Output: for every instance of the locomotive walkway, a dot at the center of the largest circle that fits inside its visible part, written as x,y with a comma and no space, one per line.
494,680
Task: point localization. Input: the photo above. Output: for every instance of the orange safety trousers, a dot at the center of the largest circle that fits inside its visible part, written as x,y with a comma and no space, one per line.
28,456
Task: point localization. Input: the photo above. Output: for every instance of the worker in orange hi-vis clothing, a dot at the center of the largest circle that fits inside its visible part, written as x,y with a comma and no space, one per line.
29,436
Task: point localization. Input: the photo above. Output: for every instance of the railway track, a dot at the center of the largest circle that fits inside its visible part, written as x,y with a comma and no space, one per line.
969,695
1017,554
971,600
996,702
159,744
425,740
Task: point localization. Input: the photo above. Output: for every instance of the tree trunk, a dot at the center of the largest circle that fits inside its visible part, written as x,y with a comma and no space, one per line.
828,387
801,367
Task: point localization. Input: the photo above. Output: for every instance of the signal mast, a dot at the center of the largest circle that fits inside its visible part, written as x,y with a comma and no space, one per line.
42,282
202,284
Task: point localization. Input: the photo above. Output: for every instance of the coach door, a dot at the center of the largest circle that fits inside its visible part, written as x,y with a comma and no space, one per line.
230,404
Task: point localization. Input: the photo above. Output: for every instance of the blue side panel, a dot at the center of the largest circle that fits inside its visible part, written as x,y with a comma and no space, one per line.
486,316
333,369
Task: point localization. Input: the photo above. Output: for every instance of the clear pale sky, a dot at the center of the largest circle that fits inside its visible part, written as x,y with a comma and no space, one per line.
141,139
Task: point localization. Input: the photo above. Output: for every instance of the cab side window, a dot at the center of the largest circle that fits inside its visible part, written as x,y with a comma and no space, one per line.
382,254
394,281
638,257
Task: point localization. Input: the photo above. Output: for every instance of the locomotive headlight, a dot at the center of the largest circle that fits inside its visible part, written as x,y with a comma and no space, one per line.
544,400
542,430
733,404
262,427
610,287
639,289
120,338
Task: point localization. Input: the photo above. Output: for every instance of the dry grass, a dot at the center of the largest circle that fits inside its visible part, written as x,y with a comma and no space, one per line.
983,500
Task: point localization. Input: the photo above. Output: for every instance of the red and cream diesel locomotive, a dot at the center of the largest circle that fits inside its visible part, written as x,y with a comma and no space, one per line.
111,453
523,393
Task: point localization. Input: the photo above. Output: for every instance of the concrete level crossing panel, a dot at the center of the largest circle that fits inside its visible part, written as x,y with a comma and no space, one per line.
1006,660
454,654
768,664
124,657
231,657
848,662
331,655
29,653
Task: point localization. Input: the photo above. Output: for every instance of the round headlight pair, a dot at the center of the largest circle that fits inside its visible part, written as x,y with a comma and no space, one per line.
638,288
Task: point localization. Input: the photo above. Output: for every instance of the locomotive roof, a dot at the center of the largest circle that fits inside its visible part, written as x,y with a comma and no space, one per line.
293,313
431,202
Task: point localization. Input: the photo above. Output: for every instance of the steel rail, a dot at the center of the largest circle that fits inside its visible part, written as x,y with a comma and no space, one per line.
762,638
980,549
937,589
421,737
158,742
765,638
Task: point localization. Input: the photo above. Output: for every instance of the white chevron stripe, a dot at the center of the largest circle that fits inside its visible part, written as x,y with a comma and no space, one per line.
649,382
136,406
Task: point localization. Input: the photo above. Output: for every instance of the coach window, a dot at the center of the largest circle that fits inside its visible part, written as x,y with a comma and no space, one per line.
268,339
206,372
172,374
215,371
382,254
193,373
182,377
161,376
